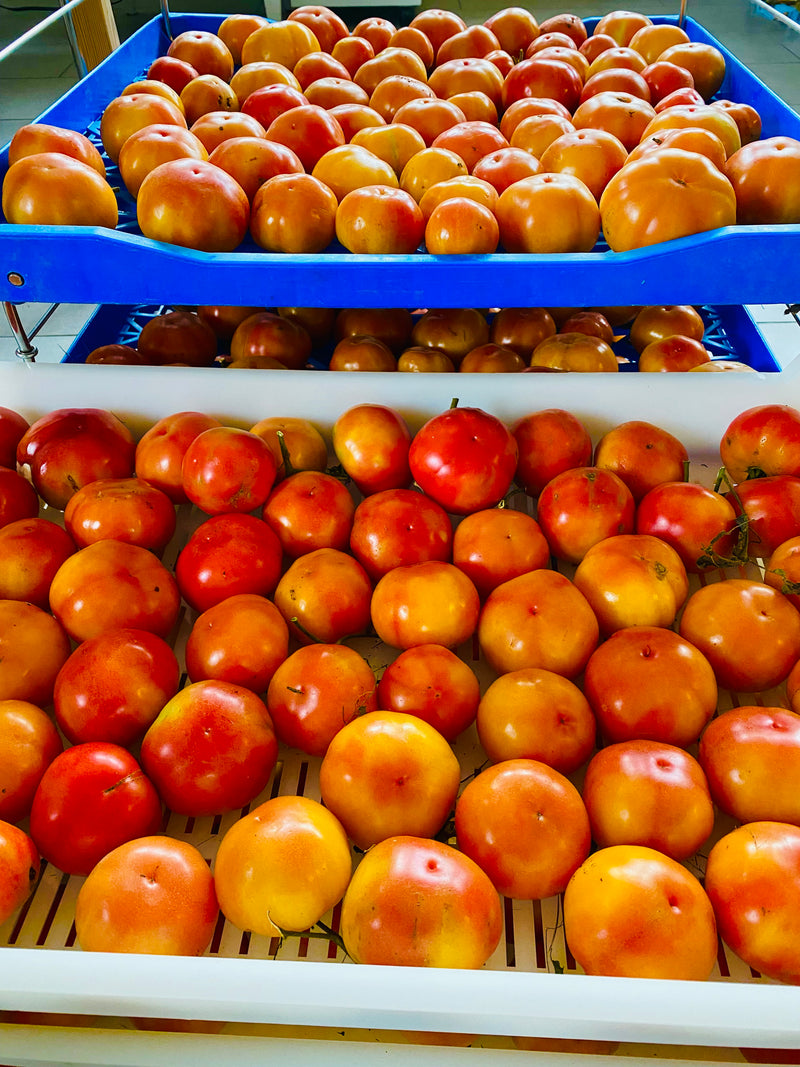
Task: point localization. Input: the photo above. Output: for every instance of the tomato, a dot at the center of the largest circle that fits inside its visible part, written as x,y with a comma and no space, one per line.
177,337
700,199
424,603
153,145
617,112
316,691
228,470
111,584
538,715
68,448
593,156
121,509
505,166
630,911
451,331
540,619
388,773
648,793
772,509
399,526
753,881
632,580
705,63
324,595
53,189
282,866
652,40
495,544
549,442
176,73
293,213
12,427
242,640
537,76
525,825
762,440
151,895
432,683
781,570
663,78
362,354
31,742
227,555
728,619
748,755
371,442
18,498
379,219
464,458
223,728
416,41
642,455
36,137
19,868
207,52
417,902
582,506
699,523
326,25
462,226
622,25
438,24
33,648
657,321
616,80
395,142
548,213
160,451
648,683
127,114
92,797
114,685
350,166
310,510
492,359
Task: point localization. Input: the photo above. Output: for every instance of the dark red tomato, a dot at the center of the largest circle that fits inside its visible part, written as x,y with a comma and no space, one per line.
582,506
399,526
310,510
697,522
772,507
228,470
92,798
18,498
12,427
227,555
464,459
763,440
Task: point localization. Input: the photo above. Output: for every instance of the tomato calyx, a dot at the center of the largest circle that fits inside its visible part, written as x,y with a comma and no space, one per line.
787,585
741,530
288,466
320,931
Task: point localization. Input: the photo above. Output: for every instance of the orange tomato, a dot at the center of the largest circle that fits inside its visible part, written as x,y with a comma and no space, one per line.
431,682
425,603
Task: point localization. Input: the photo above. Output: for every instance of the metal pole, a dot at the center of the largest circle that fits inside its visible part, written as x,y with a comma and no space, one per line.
34,31
682,15
26,351
165,18
77,55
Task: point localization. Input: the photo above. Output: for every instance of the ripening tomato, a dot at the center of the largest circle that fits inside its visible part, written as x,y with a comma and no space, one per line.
433,683
771,506
227,555
495,544
53,189
425,603
150,895
399,526
387,773
18,499
223,728
762,440
242,640
765,175
282,866
160,451
310,510
642,454
121,509
582,506
33,648
418,902
324,595
371,442
19,868
464,458
30,742
699,523
114,685
753,881
228,470
316,691
630,911
549,442
525,825
727,620
536,714
93,797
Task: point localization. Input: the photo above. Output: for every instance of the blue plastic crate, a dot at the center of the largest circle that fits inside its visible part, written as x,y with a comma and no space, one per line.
730,334
731,265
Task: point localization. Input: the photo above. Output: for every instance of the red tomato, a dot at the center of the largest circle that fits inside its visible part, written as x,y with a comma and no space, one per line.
549,442
316,691
111,584
416,902
222,728
19,868
160,452
242,640
151,895
30,742
727,620
781,571
310,510
425,603
92,798
581,507
324,596
68,448
761,441
228,470
431,682
697,522
772,508
18,498
121,509
227,555
642,455
753,881
387,773
12,427
464,458
496,544
525,825
114,685
371,442
399,526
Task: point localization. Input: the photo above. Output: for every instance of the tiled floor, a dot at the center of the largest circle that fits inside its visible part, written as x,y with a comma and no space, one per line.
43,70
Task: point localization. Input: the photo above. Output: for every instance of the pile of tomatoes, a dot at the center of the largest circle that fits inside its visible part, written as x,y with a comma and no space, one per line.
588,649
511,134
